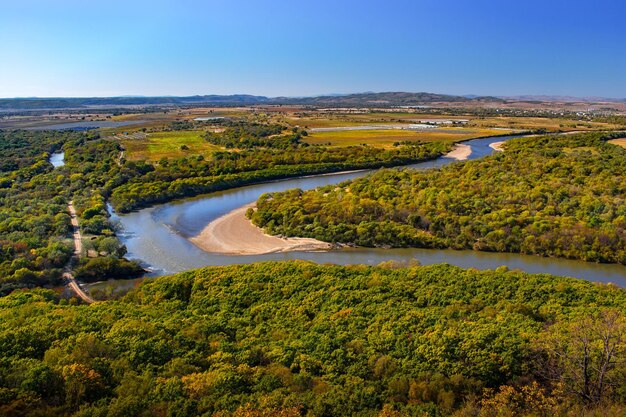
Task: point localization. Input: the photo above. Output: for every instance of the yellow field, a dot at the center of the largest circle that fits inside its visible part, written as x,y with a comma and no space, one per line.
386,138
155,146
619,142
550,124
318,119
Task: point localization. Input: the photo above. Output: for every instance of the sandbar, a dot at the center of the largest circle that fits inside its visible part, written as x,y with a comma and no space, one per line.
460,152
497,146
234,234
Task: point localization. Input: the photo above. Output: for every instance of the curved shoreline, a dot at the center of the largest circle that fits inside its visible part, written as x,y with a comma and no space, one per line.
497,146
460,152
234,234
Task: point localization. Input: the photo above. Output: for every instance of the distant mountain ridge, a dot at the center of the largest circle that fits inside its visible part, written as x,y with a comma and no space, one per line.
545,98
360,99
386,99
367,99
87,102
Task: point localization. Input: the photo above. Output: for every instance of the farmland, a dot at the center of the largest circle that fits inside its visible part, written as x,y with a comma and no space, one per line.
386,138
168,144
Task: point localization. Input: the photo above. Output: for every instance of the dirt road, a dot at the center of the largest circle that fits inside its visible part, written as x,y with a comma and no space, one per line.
78,248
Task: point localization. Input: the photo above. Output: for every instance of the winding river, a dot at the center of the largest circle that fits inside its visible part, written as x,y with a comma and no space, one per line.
158,235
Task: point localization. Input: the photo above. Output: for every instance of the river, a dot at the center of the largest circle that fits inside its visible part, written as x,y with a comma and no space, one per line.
157,236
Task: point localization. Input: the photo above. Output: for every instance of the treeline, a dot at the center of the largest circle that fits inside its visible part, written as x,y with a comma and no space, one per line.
192,176
553,196
242,134
299,339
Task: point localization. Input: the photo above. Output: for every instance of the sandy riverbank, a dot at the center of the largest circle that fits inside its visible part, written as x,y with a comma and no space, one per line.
234,234
497,146
460,152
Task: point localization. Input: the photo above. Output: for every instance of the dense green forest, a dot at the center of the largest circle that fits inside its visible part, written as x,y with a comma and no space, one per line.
296,338
35,224
245,135
33,211
299,339
558,196
192,176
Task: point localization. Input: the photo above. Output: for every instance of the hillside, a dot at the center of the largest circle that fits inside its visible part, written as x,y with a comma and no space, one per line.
295,338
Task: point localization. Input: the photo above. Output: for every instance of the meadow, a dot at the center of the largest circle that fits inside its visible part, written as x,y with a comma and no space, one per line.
620,142
170,144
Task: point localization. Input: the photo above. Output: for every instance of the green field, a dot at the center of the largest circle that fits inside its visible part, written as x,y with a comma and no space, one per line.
619,142
386,138
168,145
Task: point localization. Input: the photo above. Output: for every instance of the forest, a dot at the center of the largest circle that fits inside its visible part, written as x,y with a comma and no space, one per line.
35,226
194,175
296,339
560,196
300,339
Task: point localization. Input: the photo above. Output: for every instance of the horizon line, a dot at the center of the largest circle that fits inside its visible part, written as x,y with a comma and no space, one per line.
468,95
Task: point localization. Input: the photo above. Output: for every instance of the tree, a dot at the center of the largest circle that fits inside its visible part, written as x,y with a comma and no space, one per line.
587,356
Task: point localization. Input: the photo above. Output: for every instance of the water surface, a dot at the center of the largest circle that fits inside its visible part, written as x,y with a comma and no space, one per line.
86,125
157,236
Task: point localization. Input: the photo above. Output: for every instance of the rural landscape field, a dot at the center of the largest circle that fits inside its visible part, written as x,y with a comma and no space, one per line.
242,209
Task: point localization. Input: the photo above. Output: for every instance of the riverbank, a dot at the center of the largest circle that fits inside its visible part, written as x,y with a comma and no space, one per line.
460,152
234,234
148,235
497,146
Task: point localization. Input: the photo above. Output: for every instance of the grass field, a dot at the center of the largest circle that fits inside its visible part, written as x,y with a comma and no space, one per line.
386,138
155,146
619,142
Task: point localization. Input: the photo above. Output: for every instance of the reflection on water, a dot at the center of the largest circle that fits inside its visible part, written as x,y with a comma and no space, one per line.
86,125
157,235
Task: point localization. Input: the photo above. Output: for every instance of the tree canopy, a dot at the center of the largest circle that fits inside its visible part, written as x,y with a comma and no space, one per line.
558,196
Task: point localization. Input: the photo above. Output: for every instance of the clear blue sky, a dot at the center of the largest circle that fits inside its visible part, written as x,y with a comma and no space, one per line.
311,47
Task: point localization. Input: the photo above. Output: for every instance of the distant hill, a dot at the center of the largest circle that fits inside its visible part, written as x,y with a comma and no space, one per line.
367,99
94,102
361,99
383,99
565,99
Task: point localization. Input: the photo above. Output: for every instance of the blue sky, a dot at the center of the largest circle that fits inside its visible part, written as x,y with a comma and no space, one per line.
302,47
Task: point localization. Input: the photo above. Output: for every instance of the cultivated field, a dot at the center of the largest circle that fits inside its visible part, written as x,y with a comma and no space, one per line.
620,142
328,119
154,146
550,124
386,138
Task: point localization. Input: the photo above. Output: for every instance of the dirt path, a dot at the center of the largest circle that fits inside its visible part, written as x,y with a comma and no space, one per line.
78,248
119,159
